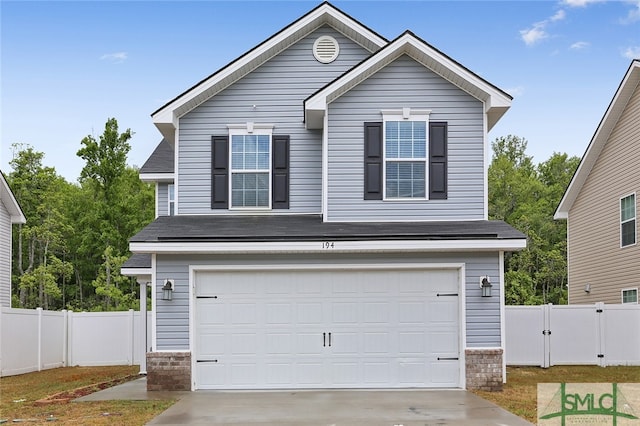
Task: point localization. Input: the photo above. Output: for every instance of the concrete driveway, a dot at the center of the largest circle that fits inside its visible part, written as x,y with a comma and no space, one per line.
322,407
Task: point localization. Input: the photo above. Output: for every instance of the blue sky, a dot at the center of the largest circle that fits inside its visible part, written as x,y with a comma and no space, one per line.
66,67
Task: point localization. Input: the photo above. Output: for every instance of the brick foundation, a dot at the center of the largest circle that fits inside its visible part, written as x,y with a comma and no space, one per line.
484,369
169,371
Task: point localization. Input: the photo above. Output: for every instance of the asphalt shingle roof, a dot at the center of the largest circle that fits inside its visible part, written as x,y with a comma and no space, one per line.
311,228
161,160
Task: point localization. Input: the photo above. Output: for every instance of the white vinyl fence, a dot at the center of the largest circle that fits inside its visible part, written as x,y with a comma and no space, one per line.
35,339
576,334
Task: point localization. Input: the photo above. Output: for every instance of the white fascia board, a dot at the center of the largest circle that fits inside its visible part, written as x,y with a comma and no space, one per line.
617,106
136,272
329,246
156,177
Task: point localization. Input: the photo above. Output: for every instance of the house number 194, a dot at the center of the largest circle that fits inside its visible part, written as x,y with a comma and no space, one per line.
328,245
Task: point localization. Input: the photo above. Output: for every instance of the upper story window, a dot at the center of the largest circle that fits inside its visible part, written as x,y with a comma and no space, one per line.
171,199
405,157
630,295
251,170
405,149
405,154
628,220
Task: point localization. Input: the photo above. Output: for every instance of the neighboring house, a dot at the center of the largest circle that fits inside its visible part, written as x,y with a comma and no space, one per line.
10,213
601,205
322,222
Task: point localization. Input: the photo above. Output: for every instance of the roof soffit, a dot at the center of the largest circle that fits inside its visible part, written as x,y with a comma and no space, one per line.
630,83
166,117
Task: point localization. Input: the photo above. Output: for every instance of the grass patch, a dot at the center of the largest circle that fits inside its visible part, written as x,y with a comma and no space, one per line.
519,394
18,396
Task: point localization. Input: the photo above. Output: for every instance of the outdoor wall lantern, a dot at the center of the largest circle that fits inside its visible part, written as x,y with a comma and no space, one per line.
485,285
167,290
587,288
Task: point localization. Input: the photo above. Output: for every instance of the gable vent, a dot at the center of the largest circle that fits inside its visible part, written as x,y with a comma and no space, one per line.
326,49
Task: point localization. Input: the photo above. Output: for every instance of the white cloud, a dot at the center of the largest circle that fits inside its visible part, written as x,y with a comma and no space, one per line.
580,3
633,15
579,45
534,34
559,16
632,52
116,58
538,30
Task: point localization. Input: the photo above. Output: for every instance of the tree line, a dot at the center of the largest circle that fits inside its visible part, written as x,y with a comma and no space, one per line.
69,253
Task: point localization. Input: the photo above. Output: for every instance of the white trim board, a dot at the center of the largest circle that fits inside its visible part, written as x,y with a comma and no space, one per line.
328,246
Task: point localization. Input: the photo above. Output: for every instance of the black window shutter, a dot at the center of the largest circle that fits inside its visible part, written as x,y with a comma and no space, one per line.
437,161
280,172
373,161
220,172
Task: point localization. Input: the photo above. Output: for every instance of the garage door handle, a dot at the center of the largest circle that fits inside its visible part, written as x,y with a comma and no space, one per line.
329,339
207,360
324,339
448,359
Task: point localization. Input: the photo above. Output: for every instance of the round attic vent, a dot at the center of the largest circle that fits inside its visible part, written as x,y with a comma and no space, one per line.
326,49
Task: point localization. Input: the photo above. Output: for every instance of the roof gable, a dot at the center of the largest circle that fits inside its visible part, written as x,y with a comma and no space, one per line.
497,102
9,200
630,83
166,117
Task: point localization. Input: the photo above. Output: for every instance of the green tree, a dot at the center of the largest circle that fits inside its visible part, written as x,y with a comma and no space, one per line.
525,195
38,244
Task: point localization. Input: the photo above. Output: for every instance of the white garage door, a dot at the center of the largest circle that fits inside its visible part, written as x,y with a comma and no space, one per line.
327,329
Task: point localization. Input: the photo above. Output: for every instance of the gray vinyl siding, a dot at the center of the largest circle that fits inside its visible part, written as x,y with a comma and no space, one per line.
163,199
593,229
406,83
483,314
277,89
5,257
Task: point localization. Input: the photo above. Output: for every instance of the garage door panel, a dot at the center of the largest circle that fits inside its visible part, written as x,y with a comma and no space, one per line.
309,343
411,312
345,313
444,373
412,343
444,342
310,313
387,329
278,313
376,372
279,343
310,373
376,343
243,313
279,373
377,312
344,343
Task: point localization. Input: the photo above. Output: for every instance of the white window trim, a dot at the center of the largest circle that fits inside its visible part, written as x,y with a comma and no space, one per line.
250,128
405,114
170,200
622,295
635,219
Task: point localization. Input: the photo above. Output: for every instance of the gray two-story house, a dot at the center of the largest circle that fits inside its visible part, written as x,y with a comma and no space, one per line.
322,219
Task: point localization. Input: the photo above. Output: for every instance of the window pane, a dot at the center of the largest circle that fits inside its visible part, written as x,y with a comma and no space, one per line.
405,179
630,296
405,139
628,208
250,189
628,233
